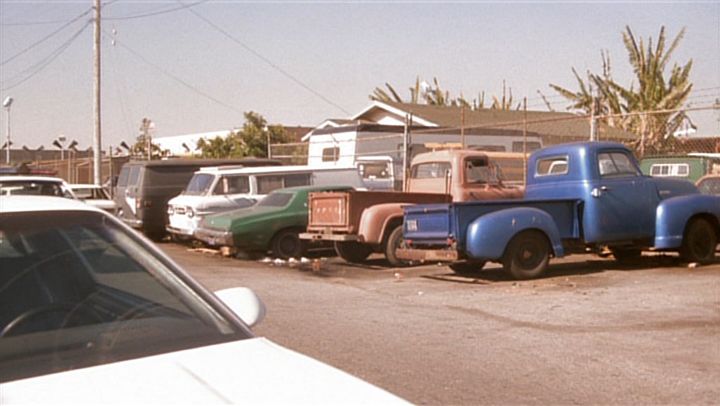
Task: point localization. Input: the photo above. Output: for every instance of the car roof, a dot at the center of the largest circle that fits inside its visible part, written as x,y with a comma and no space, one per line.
271,169
313,188
32,178
22,204
84,185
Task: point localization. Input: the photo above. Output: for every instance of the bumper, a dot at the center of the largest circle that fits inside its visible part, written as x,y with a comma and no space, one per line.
178,231
329,237
214,237
427,255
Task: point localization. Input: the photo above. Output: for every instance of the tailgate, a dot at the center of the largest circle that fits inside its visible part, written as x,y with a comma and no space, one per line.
340,212
328,210
428,224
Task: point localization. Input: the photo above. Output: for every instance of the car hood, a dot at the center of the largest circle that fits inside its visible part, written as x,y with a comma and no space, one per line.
225,221
252,371
101,204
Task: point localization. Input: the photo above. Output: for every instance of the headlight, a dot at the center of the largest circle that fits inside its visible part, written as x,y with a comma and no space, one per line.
170,210
190,213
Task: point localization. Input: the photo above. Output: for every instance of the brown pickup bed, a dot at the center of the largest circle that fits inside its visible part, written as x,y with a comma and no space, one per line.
339,212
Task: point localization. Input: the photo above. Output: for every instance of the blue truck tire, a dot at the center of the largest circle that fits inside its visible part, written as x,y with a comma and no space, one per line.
699,241
528,254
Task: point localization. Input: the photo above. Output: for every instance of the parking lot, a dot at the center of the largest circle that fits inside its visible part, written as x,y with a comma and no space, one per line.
591,331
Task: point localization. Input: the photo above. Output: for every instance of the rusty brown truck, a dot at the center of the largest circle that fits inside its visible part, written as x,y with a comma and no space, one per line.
363,222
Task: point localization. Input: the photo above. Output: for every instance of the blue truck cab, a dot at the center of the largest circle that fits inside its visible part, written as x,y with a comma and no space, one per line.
579,197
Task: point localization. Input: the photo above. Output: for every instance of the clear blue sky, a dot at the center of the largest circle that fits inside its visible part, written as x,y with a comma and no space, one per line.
340,50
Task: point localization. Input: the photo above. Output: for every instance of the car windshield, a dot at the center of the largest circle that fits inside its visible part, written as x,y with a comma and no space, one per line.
32,188
199,184
278,199
77,290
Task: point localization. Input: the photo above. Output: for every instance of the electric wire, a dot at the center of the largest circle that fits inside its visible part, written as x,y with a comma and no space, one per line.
175,78
45,38
155,13
268,61
44,63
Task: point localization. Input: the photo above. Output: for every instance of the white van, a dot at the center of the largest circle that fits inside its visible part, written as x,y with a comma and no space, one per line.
217,189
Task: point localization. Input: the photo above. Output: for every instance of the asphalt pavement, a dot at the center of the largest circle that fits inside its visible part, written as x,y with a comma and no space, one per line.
589,332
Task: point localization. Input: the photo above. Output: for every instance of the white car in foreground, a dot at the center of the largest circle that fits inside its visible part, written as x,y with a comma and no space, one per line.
91,312
31,185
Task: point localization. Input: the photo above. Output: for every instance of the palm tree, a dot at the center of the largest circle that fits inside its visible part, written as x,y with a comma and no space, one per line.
654,93
653,110
433,95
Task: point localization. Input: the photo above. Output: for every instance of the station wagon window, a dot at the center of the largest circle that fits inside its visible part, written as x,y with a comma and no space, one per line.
616,164
231,185
297,179
430,170
269,183
330,154
680,170
552,166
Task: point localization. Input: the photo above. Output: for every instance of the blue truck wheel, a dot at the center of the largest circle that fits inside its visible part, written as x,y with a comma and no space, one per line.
527,255
699,241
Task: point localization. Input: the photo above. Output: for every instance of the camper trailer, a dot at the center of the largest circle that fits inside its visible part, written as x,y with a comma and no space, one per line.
355,145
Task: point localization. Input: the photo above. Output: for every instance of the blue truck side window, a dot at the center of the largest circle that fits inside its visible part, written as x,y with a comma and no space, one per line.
616,164
557,165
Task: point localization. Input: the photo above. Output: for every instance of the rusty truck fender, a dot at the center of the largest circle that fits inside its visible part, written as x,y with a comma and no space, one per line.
376,219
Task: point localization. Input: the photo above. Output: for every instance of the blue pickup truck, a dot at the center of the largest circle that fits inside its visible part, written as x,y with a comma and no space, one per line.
579,198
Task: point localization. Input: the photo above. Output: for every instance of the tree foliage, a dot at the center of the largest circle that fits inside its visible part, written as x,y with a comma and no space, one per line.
650,108
251,140
140,148
433,94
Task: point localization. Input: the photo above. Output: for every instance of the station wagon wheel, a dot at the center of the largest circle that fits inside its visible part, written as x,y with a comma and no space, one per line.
394,241
287,244
352,251
464,268
527,255
699,241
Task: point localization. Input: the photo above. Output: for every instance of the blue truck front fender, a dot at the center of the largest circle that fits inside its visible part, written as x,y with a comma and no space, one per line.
673,214
489,235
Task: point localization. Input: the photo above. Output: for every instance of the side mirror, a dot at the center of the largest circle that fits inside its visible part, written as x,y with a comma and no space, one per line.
244,303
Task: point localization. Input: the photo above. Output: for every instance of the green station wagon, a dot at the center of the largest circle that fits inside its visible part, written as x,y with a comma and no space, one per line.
273,224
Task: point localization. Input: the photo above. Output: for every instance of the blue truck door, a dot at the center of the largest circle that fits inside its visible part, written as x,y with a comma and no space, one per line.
622,203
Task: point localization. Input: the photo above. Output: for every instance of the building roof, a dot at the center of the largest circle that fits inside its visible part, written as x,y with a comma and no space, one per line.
557,124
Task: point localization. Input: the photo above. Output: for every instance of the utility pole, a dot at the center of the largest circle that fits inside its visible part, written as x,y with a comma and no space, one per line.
462,127
593,132
525,140
97,139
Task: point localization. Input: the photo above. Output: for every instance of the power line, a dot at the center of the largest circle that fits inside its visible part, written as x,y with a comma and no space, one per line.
45,38
44,63
177,79
155,13
269,62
